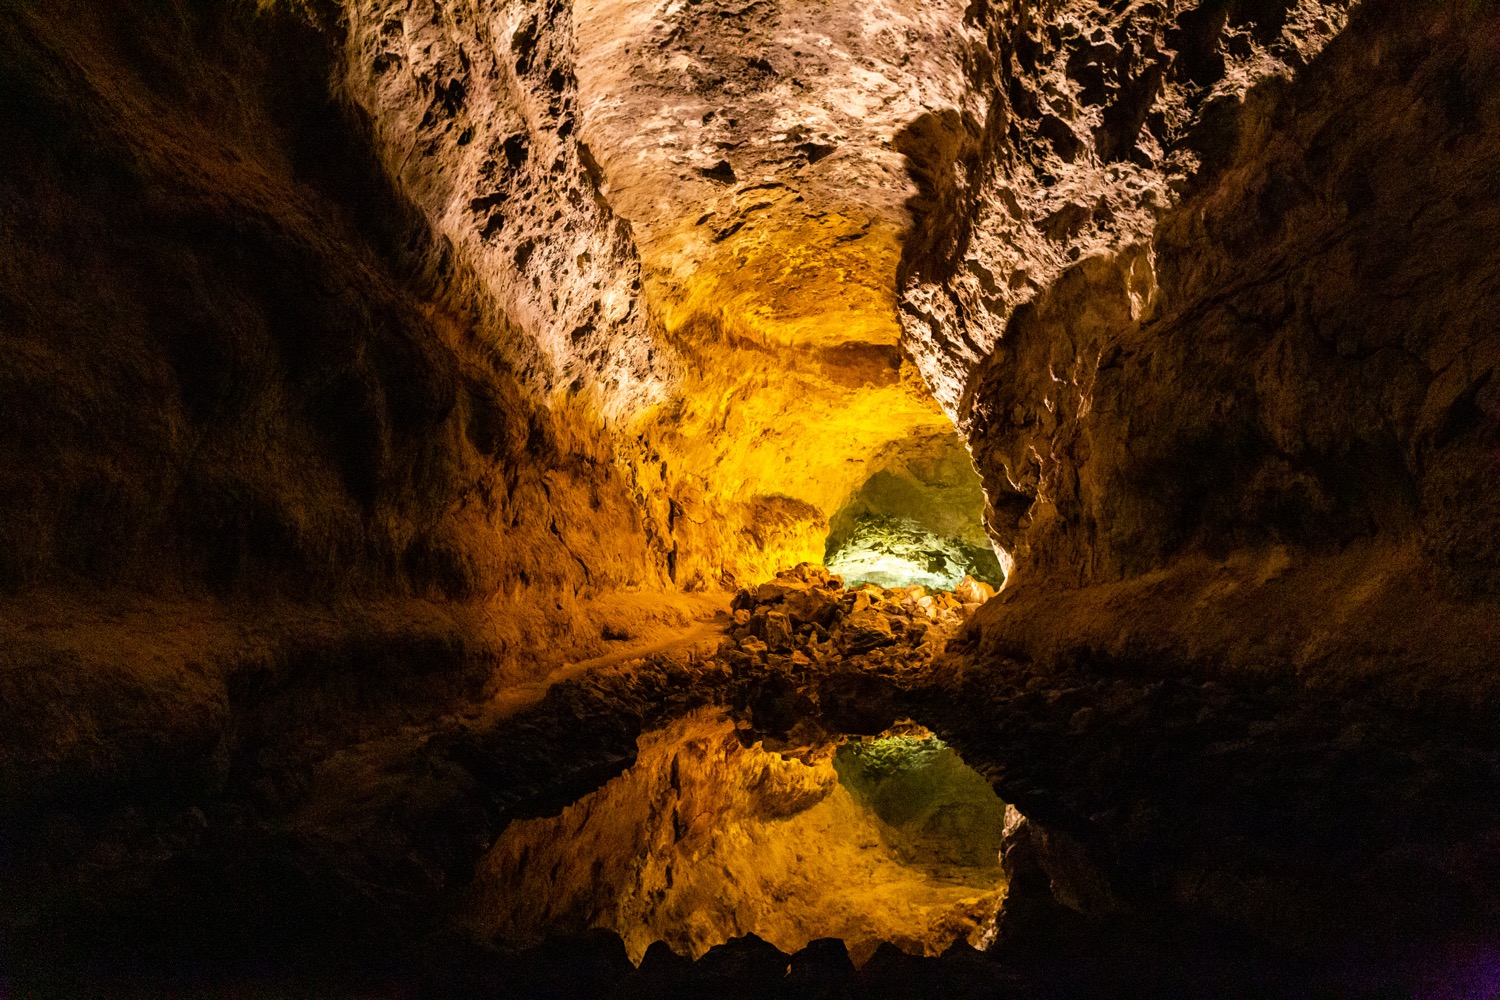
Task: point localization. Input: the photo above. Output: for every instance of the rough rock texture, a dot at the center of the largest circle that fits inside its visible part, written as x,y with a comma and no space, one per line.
475,111
1079,127
250,372
518,131
752,146
705,839
1290,372
252,418
1242,457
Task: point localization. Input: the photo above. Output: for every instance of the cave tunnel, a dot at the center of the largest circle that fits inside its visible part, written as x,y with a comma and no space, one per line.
915,522
887,840
600,498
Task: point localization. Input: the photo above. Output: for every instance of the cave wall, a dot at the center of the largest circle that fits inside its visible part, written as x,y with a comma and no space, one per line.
240,359
474,109
1300,354
275,475
1241,449
1296,352
1077,129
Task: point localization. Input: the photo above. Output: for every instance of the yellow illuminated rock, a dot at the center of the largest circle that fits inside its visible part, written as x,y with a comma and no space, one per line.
754,155
705,839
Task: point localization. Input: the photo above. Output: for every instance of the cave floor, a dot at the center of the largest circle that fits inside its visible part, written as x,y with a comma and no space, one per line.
708,626
669,777
718,829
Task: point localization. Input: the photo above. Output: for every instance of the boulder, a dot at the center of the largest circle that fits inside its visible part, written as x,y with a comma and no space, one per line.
777,631
776,590
972,591
864,631
813,605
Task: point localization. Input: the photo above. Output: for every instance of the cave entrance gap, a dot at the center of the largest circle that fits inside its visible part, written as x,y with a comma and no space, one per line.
918,520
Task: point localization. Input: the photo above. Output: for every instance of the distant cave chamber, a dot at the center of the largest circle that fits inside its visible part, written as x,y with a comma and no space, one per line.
899,552
916,522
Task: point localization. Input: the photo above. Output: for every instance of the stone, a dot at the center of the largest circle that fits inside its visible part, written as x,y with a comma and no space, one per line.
864,631
854,601
757,624
777,590
777,631
808,573
972,591
813,605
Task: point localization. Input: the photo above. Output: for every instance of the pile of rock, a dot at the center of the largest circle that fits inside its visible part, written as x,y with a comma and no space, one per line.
806,616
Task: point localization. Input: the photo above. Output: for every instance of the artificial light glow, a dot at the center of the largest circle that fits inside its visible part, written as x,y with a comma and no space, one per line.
886,570
897,552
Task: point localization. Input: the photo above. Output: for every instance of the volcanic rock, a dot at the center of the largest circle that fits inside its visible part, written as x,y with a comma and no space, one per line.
777,631
864,631
972,591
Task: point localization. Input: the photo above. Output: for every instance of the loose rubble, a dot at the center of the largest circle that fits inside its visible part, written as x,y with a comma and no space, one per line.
806,617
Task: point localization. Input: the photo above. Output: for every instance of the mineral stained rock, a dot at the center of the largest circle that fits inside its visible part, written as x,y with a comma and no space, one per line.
1232,404
377,372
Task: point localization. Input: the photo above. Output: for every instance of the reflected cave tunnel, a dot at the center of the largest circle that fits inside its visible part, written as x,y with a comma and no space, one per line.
709,836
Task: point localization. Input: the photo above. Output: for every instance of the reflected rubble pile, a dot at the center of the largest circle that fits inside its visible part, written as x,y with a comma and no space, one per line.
745,809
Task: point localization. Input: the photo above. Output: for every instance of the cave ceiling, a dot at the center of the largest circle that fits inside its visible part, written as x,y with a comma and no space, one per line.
793,230
752,149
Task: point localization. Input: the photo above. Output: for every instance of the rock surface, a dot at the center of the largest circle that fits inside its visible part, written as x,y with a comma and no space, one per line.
476,116
705,839
378,373
1080,125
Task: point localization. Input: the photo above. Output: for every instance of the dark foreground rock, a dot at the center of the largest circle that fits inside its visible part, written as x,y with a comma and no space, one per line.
1183,836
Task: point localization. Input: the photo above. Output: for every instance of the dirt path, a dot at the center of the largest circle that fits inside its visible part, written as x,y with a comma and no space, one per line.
513,699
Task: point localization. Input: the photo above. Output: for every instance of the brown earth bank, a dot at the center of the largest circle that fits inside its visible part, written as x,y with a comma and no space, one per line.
420,424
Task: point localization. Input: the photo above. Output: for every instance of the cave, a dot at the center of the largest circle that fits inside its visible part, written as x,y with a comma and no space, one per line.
591,498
